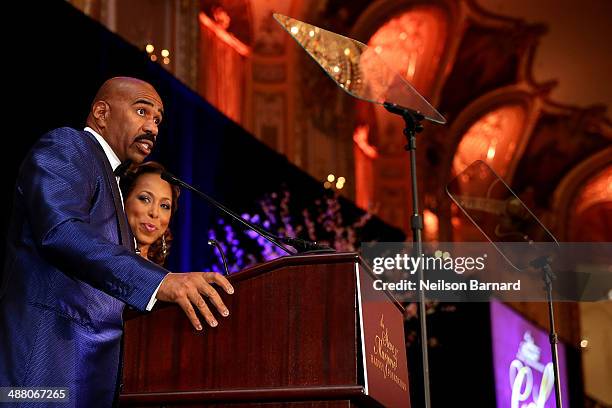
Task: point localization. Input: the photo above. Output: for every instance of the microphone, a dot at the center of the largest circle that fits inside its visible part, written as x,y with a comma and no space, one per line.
300,245
306,246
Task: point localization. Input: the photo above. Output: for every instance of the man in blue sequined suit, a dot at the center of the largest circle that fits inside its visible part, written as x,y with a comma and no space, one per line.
70,266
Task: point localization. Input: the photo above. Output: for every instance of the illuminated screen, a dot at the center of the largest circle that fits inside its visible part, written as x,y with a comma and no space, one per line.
522,362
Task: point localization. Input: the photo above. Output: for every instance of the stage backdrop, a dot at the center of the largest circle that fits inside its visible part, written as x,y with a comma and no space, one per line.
57,58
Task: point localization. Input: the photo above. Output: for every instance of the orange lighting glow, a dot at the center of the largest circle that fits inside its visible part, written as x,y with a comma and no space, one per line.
364,154
221,17
492,138
412,42
598,190
431,225
360,137
219,31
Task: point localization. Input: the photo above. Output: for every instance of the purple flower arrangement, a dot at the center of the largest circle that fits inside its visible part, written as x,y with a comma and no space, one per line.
322,222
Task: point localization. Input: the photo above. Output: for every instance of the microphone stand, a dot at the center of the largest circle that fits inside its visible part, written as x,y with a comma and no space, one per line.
216,244
412,121
301,246
543,263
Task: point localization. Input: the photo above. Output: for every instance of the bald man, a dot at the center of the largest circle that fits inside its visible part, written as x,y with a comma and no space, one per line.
70,264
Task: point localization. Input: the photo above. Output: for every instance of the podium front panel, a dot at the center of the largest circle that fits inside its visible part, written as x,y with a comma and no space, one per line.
383,344
292,326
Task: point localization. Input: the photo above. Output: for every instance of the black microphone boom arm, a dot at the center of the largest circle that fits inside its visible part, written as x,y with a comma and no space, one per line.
299,244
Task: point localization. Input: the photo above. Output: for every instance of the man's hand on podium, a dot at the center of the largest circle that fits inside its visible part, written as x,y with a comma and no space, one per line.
186,289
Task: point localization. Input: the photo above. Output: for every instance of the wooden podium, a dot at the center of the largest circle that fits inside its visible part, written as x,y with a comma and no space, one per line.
303,331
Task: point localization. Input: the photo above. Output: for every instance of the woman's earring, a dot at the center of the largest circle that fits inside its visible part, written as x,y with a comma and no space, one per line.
164,246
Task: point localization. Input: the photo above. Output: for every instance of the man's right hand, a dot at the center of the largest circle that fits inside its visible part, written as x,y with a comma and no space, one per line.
186,289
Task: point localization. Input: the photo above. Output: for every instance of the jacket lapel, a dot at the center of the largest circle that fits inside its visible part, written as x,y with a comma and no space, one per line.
124,230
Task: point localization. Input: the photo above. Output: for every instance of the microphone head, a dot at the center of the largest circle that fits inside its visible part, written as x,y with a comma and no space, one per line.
169,177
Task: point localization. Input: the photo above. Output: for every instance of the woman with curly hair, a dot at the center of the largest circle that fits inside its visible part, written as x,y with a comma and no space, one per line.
150,203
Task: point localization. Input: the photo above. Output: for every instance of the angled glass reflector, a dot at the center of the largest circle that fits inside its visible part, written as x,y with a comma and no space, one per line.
500,215
357,68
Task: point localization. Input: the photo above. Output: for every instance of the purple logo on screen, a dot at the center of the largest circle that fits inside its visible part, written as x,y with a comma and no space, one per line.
524,375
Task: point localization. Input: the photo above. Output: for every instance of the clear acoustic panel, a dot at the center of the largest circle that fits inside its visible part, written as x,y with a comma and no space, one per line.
357,68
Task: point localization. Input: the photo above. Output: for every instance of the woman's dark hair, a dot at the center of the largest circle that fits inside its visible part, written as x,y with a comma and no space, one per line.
156,251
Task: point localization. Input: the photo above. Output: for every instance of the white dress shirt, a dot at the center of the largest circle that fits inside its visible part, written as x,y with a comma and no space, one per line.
115,162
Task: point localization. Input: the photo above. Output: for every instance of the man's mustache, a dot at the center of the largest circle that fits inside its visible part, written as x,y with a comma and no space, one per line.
145,136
